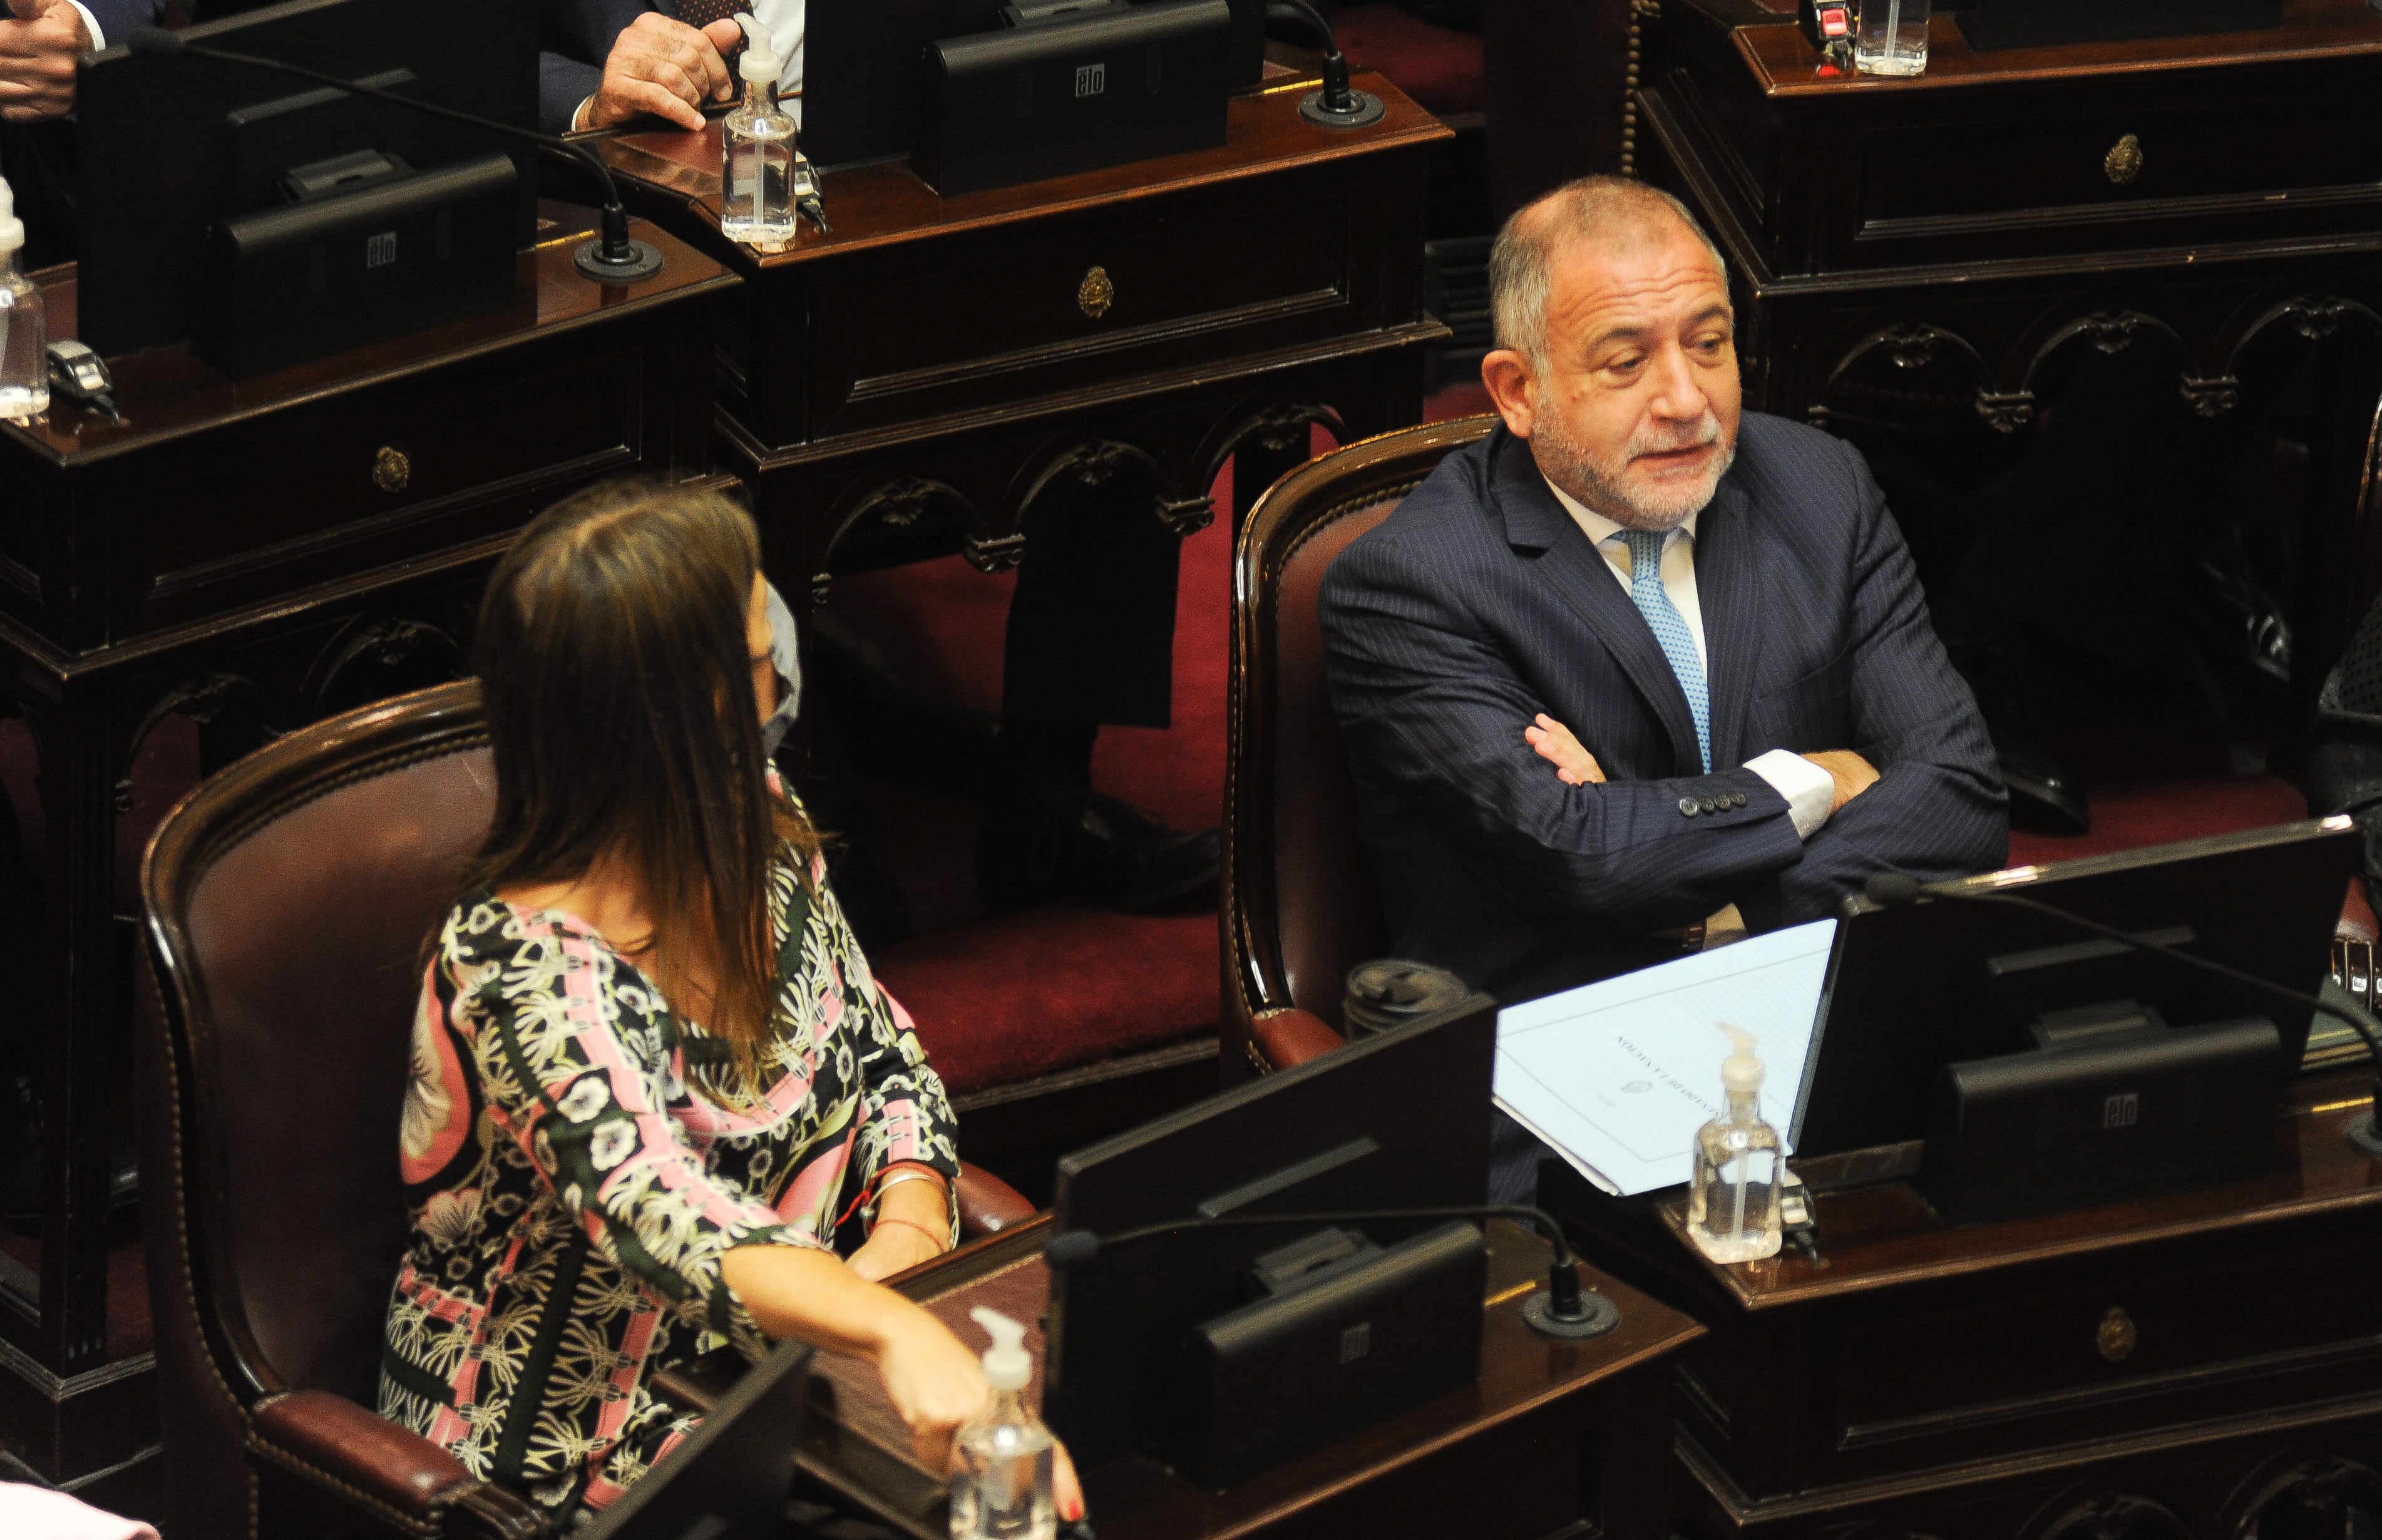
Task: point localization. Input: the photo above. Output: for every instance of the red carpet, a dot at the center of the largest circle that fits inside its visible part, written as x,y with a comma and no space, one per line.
2128,815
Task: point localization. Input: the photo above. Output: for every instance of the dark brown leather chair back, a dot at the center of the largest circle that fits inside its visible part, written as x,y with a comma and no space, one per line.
290,901
1300,905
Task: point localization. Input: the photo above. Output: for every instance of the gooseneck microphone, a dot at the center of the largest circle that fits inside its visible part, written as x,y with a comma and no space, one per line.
1562,1308
1890,889
611,258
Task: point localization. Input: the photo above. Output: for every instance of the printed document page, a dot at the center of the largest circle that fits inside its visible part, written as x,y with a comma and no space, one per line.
1617,1075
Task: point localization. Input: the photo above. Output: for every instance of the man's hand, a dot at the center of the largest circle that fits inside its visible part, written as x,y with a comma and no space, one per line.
39,44
1574,764
659,64
1852,774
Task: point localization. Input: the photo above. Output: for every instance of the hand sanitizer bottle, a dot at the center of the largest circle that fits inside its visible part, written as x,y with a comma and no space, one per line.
756,152
1733,1207
1003,1489
24,324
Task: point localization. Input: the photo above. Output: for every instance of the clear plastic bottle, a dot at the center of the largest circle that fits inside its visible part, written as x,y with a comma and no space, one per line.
24,324
1733,1204
757,151
1003,1489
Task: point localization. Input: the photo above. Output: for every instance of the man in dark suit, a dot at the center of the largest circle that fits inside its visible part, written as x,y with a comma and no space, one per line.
1638,668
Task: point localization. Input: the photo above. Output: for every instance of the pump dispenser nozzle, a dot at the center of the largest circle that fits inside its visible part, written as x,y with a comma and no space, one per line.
1741,1072
1007,1365
761,60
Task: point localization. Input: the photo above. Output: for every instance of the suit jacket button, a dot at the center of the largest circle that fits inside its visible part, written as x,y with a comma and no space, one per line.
1688,806
1710,804
1737,799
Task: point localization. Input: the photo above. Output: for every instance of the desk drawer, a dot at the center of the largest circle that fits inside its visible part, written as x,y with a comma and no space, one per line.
986,319
403,471
2039,178
2030,1363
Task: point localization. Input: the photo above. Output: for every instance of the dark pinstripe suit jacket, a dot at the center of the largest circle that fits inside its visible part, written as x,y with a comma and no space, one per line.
575,37
1480,603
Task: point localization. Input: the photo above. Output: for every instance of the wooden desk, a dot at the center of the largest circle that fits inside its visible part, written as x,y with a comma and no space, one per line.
1957,234
1558,1438
2173,1367
912,380
250,557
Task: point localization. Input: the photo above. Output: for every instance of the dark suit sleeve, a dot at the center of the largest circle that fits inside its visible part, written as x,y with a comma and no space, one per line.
1939,808
1431,704
574,37
562,84
116,17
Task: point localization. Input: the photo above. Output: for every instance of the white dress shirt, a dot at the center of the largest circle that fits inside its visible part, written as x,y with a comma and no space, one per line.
785,21
1811,792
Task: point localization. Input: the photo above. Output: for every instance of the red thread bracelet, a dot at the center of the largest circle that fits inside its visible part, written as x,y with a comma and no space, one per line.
937,1240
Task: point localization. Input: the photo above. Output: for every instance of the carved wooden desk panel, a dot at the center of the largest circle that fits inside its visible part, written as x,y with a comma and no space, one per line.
247,557
2205,1352
916,376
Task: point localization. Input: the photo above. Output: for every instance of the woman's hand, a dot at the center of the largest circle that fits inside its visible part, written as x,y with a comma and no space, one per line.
937,1386
934,1383
1574,764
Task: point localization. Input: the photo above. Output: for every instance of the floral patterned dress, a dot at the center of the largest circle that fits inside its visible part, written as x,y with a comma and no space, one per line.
578,1160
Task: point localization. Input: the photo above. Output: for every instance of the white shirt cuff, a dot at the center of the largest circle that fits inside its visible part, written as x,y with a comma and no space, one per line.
1811,792
90,25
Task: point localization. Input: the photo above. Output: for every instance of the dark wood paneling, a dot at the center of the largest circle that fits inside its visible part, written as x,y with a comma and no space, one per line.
1953,1379
919,313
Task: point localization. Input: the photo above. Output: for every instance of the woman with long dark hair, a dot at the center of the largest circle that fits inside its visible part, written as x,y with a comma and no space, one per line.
653,1076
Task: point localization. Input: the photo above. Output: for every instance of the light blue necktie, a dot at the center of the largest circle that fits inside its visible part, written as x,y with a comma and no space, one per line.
1670,630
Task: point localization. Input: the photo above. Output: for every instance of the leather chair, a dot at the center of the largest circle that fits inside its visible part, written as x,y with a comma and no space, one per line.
289,900
1297,892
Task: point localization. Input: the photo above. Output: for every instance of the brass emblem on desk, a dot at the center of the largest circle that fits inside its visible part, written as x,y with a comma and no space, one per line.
2116,1337
391,470
1096,293
2124,161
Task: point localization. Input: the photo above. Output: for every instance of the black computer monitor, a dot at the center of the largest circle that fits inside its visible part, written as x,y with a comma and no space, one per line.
1398,1120
861,62
1913,988
170,147
733,1477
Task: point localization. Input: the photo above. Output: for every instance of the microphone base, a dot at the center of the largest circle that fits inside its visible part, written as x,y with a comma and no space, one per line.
2364,1135
644,261
1369,110
1537,1313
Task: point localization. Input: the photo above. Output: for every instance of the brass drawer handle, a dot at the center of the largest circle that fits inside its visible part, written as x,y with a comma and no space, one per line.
2116,1339
391,472
2124,161
1096,293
